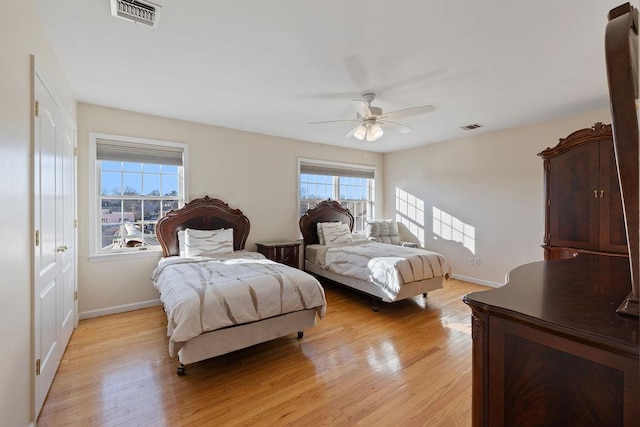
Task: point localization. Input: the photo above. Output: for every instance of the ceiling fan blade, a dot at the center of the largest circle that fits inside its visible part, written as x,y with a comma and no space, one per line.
408,112
352,131
395,126
335,121
361,107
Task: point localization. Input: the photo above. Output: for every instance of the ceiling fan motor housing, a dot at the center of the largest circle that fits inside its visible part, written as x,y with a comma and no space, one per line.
375,111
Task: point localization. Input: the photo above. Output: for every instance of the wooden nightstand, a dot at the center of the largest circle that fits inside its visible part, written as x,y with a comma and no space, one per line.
284,252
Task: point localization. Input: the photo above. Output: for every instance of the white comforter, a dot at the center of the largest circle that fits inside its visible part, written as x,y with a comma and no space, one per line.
204,294
388,266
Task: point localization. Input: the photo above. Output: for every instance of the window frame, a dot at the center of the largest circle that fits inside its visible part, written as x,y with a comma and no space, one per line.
336,184
96,253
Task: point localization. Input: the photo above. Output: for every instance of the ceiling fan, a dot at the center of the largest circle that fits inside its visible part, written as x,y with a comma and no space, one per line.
371,121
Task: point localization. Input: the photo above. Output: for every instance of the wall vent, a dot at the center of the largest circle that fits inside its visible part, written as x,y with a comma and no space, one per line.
140,12
471,126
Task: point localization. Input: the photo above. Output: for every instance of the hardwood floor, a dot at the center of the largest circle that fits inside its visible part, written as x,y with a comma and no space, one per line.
408,364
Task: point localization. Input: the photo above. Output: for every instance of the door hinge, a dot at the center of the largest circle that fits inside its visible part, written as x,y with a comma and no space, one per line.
37,109
75,296
37,237
75,223
75,151
37,366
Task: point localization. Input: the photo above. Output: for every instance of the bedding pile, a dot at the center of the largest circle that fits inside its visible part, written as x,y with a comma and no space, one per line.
388,266
202,294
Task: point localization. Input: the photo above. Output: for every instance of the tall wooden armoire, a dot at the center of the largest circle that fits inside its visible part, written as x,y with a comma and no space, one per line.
583,207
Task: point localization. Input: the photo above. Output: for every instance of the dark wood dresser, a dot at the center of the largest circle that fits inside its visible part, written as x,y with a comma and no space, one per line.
284,252
549,348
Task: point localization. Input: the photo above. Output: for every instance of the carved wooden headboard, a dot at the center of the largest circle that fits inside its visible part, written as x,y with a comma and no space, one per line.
325,211
201,214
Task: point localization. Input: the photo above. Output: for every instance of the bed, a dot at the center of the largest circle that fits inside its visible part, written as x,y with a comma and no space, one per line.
384,271
224,298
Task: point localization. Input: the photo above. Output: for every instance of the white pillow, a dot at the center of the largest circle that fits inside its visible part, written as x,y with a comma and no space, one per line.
335,232
208,242
319,229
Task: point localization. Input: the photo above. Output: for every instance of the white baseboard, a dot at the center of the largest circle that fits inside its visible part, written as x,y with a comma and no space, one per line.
477,281
119,309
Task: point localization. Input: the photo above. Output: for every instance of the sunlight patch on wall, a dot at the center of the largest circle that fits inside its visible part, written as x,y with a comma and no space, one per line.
410,212
451,228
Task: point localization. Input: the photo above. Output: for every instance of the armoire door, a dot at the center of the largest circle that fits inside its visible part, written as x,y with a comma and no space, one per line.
573,213
54,199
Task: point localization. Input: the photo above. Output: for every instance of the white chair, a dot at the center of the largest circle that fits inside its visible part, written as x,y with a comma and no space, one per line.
386,231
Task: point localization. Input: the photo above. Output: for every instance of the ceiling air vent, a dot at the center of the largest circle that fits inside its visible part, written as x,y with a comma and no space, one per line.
471,126
141,12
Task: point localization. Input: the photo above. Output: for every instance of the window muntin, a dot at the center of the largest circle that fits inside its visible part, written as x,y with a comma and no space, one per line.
352,187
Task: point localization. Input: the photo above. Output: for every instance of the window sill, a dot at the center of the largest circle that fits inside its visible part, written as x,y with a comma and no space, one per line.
115,256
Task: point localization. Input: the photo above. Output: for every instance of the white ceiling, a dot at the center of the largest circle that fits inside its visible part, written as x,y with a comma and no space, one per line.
272,67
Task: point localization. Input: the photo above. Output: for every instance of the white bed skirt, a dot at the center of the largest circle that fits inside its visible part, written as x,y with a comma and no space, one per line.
226,340
407,290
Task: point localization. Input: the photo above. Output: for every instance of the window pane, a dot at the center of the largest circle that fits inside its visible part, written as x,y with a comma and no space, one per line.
111,211
169,205
169,170
133,208
132,183
151,210
132,167
151,185
108,235
111,166
169,185
111,183
149,168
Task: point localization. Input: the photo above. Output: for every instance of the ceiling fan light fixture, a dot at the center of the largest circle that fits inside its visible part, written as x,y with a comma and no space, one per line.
361,132
376,131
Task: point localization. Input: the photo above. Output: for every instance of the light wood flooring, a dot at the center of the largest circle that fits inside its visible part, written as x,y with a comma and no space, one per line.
408,364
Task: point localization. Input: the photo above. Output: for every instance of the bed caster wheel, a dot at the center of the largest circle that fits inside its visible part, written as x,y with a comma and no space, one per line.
424,295
181,370
300,334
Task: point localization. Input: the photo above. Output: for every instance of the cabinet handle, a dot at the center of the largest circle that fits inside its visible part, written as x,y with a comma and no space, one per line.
601,193
595,193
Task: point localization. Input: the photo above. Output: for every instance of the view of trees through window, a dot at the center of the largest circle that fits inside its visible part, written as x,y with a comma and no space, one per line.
133,197
353,193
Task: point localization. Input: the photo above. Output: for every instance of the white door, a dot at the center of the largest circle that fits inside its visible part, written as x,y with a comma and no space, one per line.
54,242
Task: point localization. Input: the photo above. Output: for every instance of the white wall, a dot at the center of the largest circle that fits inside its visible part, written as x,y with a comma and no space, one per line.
492,182
254,173
22,35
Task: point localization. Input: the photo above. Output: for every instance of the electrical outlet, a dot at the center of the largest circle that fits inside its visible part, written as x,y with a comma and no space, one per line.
476,262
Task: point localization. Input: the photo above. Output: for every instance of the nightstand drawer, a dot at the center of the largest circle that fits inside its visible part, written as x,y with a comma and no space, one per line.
283,252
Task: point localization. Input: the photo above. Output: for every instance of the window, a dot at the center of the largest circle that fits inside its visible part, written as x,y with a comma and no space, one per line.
137,182
350,185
